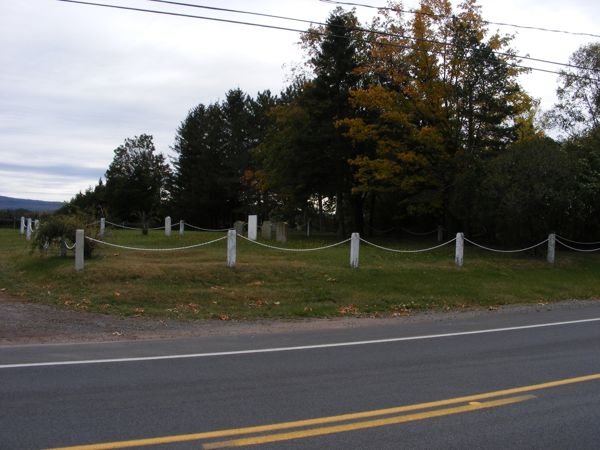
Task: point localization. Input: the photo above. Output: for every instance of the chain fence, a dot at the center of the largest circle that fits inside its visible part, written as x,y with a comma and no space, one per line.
145,249
395,250
506,251
286,249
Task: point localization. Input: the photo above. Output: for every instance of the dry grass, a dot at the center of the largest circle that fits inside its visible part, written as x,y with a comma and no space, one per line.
267,283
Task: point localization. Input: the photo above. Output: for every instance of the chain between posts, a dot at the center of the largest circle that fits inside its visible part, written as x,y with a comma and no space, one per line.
584,250
407,251
294,249
576,242
506,251
142,249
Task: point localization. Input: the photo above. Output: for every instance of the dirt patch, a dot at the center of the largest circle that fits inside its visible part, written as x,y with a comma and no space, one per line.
31,323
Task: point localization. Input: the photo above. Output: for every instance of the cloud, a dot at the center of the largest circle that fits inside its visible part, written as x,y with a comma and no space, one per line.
77,80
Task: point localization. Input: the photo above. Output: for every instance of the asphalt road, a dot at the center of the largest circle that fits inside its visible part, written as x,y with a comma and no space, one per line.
483,381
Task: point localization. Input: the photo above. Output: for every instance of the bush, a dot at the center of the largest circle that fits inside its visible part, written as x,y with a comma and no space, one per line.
56,228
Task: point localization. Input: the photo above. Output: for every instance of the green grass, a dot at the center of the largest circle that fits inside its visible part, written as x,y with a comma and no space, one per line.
268,283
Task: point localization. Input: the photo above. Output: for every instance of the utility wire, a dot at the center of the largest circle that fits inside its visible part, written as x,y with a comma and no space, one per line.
377,32
503,24
274,27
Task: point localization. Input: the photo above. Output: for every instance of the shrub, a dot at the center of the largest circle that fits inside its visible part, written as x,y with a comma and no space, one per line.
56,228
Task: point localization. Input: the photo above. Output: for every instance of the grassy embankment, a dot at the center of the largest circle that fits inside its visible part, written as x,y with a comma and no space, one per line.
268,283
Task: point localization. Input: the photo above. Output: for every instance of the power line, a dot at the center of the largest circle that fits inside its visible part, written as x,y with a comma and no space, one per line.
274,27
503,24
383,33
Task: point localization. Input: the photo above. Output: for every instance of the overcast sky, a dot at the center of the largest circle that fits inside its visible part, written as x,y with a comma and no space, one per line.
76,80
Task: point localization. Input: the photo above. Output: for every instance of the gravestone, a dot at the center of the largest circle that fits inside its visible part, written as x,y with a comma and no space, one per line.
267,230
238,226
252,225
168,226
281,231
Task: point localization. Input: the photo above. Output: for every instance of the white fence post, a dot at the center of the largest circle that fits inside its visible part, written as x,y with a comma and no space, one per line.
231,248
79,244
551,248
28,235
102,226
460,248
181,227
252,226
354,250
168,226
22,225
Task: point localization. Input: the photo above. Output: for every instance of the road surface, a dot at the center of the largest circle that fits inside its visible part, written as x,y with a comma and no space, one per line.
516,380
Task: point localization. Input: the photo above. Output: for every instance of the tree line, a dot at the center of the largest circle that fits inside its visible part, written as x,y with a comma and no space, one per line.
408,122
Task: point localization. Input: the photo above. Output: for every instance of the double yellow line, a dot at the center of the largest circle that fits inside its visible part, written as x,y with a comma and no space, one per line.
470,403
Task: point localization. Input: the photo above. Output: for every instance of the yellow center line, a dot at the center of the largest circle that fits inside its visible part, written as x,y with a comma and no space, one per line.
363,425
326,420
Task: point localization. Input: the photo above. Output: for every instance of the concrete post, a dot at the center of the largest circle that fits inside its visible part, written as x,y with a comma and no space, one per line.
36,224
551,248
460,249
168,226
354,250
102,226
22,225
231,248
29,230
79,243
63,248
181,227
440,233
252,227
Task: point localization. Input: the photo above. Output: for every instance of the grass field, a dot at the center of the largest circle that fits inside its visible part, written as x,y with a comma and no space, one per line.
269,283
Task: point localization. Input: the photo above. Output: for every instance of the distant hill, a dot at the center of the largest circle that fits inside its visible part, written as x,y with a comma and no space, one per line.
29,205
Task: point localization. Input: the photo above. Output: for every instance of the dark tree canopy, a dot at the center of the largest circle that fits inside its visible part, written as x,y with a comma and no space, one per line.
136,180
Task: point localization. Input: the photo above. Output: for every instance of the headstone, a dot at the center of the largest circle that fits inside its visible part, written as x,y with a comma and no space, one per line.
238,226
168,226
281,231
252,225
267,230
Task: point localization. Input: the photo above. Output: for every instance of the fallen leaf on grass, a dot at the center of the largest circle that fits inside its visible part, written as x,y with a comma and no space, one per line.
117,333
224,317
117,294
255,283
349,310
3,289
